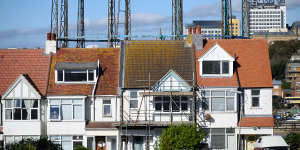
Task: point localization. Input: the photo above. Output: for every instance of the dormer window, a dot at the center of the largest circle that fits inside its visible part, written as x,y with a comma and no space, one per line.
75,72
215,67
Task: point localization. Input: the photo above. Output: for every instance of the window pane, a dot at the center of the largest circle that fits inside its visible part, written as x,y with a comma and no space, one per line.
35,104
106,102
218,141
54,138
91,75
77,101
225,67
66,145
18,138
66,111
17,103
66,101
59,75
76,144
54,101
255,92
230,104
158,103
184,106
78,112
34,114
17,114
211,67
79,75
229,93
133,94
25,114
166,104
8,103
66,138
255,102
106,110
133,104
9,139
175,104
218,104
77,137
217,93
8,114
54,112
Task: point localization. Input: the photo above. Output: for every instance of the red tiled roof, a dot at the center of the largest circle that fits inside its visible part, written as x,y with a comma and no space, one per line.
100,125
30,62
253,58
257,122
107,83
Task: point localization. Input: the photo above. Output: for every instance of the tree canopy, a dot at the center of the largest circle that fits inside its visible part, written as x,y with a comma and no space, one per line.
182,137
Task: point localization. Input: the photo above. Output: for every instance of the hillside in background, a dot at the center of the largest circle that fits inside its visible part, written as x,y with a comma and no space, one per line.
280,53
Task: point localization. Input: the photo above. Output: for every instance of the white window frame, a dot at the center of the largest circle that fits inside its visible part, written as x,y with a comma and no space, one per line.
59,105
255,96
59,140
23,137
133,99
110,108
87,76
226,134
209,100
221,68
161,101
13,107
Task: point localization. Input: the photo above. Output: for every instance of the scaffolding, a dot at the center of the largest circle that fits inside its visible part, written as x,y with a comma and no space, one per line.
147,119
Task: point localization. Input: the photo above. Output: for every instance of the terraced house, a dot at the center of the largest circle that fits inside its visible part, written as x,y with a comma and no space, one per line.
123,98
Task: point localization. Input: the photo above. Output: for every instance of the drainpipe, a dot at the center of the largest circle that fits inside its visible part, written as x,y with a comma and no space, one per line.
93,94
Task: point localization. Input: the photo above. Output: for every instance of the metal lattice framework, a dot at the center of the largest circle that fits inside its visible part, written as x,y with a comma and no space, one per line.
63,29
80,25
177,19
54,17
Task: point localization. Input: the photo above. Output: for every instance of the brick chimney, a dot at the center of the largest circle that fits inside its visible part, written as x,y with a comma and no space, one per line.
50,43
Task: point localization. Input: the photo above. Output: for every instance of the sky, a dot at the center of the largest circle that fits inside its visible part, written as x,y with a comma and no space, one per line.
24,23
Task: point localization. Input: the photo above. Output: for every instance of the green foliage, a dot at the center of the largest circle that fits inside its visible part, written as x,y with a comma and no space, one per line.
293,139
286,85
181,137
30,144
276,103
81,148
280,53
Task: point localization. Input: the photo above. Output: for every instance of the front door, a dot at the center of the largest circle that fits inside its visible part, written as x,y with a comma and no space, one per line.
100,143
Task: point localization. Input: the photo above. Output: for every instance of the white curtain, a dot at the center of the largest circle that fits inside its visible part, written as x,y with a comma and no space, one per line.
28,105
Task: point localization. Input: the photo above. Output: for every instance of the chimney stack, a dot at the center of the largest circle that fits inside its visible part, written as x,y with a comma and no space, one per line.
51,46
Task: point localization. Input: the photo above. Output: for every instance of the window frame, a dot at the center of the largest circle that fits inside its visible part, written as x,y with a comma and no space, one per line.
255,96
14,107
226,134
208,100
103,106
133,99
60,139
221,62
87,76
160,100
59,106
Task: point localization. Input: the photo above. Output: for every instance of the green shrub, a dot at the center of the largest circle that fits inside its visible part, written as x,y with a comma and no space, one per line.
81,148
179,137
293,139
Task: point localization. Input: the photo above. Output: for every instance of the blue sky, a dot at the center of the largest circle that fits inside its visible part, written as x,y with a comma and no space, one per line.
24,23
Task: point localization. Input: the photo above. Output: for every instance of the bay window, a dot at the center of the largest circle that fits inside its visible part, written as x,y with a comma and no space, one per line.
20,109
66,109
67,142
218,100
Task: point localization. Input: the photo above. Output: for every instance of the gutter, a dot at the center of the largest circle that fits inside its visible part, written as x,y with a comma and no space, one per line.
94,91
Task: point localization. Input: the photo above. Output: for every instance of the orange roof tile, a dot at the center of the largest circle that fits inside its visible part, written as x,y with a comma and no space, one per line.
30,62
257,122
253,58
107,83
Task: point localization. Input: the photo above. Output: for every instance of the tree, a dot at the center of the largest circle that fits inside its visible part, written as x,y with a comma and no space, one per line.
31,144
293,139
182,137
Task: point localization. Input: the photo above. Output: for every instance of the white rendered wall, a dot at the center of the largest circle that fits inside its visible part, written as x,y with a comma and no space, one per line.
223,120
265,102
66,128
255,131
115,109
22,127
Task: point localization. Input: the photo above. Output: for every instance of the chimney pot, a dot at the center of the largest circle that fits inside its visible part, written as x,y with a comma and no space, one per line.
48,36
53,36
